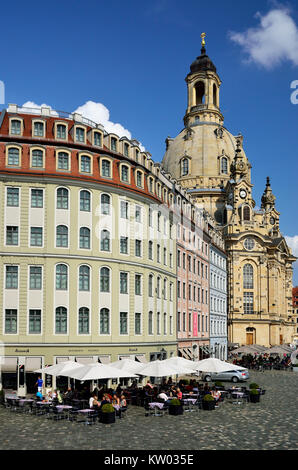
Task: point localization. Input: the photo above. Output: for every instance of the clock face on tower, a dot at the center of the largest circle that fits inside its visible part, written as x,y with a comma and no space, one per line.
242,193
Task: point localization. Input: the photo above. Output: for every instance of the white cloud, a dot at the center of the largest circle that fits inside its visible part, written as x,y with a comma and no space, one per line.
32,105
96,112
273,41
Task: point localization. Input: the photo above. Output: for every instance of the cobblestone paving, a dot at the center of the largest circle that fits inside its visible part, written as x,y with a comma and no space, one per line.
268,425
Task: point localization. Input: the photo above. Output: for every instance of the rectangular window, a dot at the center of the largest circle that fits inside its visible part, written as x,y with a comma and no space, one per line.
137,323
164,256
85,164
123,283
12,199
104,321
34,321
37,159
158,323
80,134
123,323
13,156
138,214
184,321
61,320
124,210
150,323
97,139
150,250
35,276
165,324
36,198
63,159
114,144
138,248
12,235
36,236
178,259
11,278
158,253
248,302
11,319
178,289
15,127
138,282
124,245
125,173
106,168
61,131
84,321
179,321
38,129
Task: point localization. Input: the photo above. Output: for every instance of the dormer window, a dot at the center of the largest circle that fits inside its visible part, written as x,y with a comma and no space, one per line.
114,144
15,127
80,134
126,148
97,139
38,129
61,131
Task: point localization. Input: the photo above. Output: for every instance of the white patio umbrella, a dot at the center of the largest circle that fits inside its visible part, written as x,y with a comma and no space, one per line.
213,364
182,364
159,369
279,349
294,357
63,368
96,371
127,365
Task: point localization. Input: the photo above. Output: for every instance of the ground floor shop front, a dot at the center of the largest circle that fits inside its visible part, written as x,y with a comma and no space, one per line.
18,363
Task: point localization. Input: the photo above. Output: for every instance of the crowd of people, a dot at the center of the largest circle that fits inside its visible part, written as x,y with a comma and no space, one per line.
263,361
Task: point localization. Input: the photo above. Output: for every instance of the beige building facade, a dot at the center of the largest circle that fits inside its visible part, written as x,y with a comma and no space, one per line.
210,163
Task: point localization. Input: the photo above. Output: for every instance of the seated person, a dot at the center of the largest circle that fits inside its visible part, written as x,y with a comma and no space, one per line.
123,402
179,393
216,394
93,401
163,396
115,399
39,396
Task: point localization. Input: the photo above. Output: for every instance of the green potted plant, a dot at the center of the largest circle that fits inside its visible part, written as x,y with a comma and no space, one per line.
253,385
175,407
254,395
219,385
208,402
108,414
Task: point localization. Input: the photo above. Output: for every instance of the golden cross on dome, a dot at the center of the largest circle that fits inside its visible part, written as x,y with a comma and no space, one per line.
203,35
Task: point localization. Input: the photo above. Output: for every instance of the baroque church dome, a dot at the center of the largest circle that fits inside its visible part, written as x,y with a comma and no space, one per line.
205,144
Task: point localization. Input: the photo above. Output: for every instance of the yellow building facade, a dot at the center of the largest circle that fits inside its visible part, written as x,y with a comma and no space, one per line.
210,164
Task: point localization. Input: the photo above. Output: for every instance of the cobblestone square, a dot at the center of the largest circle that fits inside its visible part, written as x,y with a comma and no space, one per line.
268,425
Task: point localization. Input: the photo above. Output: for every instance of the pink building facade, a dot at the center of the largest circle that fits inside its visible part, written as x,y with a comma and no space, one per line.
193,244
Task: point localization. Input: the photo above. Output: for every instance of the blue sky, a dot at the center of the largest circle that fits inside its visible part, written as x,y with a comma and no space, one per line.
133,58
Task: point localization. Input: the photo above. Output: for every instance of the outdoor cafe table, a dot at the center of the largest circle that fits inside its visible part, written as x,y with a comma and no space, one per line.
154,406
189,402
87,413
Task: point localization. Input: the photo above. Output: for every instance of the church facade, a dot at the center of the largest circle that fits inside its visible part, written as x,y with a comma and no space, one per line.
210,164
